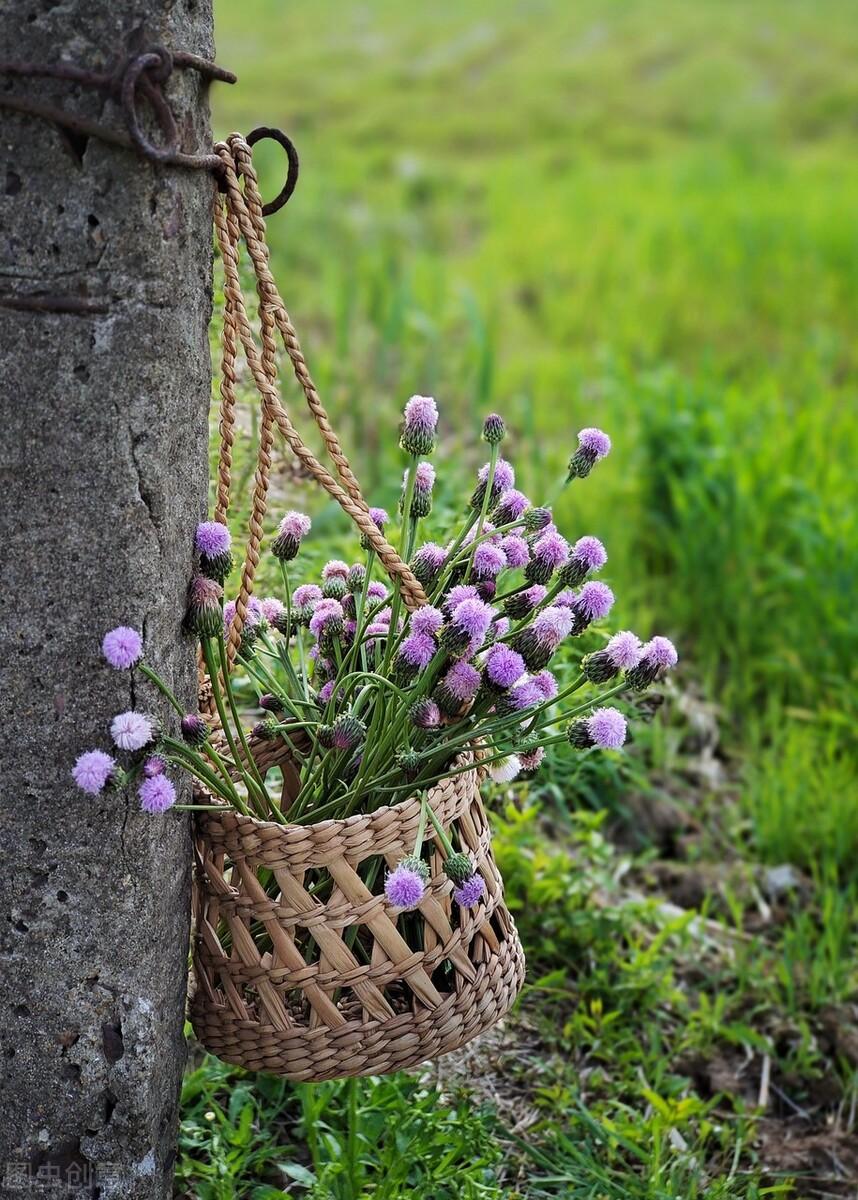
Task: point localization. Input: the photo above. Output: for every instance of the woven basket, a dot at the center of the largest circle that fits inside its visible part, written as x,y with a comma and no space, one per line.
344,985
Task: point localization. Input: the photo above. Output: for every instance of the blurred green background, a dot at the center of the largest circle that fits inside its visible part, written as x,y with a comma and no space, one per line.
637,214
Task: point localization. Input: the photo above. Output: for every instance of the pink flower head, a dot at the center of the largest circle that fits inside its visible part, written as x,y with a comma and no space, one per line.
551,550
594,601
470,892
295,525
462,681
425,714
122,647
595,440
404,887
327,613
504,477
607,728
379,518
511,507
376,590
590,552
566,598
427,620
424,477
335,569
132,730
500,627
516,550
212,539
156,794
531,760
326,691
524,695
429,562
489,561
504,666
154,765
272,609
470,622
417,651
552,625
92,771
661,652
462,591
546,684
624,650
306,593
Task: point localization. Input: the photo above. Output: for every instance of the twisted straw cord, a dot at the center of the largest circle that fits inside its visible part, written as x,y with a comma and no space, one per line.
412,592
258,250
228,233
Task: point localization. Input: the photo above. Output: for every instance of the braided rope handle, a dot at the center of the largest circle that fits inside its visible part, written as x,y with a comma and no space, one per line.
238,217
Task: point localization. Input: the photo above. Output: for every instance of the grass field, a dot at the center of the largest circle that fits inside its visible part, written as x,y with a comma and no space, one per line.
640,216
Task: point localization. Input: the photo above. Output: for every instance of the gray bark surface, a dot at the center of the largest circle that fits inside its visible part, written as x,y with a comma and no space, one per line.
103,444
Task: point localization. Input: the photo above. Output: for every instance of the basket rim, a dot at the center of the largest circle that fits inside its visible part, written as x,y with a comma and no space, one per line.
334,824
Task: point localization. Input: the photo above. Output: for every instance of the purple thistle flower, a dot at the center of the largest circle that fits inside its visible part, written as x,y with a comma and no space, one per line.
546,684
455,596
511,507
524,695
306,593
405,886
457,688
549,552
415,655
622,652
156,794
326,691
588,554
502,481
470,892
335,568
376,590
327,618
122,647
425,714
607,728
154,765
427,620
195,731
593,602
428,563
499,628
489,561
421,501
566,598
552,625
468,625
593,444
290,533
132,730
523,603
272,609
531,760
212,539
657,657
204,612
419,425
516,550
379,518
504,667
92,771
213,542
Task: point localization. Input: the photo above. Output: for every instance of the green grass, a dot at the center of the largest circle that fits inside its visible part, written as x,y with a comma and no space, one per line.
638,215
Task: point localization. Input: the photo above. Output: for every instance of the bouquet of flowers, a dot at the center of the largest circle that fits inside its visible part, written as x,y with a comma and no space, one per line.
377,703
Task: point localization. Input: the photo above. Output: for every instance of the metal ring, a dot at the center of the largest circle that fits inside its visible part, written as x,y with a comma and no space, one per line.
277,135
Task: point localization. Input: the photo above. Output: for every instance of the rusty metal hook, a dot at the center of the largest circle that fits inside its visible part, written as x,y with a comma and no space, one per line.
277,135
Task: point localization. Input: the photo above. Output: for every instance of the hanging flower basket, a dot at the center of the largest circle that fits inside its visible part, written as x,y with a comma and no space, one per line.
321,977
348,914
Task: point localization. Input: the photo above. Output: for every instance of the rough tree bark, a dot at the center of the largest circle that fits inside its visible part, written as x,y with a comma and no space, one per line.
102,477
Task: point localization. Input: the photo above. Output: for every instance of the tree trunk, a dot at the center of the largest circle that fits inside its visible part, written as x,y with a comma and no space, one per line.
103,448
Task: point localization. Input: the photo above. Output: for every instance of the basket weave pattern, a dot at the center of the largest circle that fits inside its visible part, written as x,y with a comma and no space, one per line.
321,988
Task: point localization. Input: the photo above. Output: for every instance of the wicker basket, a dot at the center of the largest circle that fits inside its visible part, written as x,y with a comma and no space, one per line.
319,989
